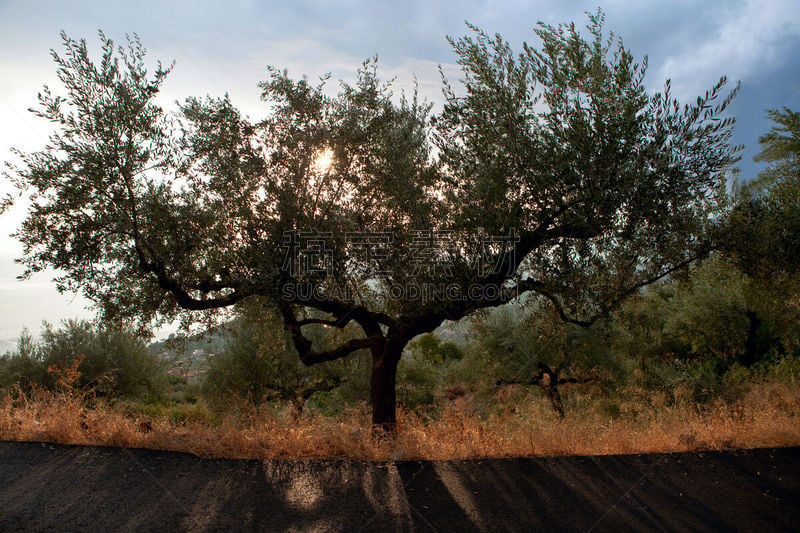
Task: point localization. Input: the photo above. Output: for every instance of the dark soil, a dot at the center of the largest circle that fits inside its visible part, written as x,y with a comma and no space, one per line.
47,487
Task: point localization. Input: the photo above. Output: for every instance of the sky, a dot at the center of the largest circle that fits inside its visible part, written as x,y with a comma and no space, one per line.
221,47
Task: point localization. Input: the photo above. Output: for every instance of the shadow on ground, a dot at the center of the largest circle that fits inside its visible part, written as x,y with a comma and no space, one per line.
73,488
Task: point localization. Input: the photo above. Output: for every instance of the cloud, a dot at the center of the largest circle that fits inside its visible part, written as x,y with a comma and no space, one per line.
225,47
748,42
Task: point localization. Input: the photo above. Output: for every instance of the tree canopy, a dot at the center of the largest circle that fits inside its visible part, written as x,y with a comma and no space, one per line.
551,171
764,227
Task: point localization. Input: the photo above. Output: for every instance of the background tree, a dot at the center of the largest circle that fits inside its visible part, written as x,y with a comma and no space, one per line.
762,233
531,345
259,363
763,230
720,312
554,171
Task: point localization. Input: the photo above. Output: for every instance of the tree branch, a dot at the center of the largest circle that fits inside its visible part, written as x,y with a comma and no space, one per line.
370,321
532,285
182,296
304,346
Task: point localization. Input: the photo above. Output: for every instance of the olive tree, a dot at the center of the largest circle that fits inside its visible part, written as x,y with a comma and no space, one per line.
552,171
534,346
762,232
763,229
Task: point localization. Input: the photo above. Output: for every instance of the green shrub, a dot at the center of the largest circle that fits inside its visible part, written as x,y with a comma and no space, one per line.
430,347
176,413
786,369
259,364
417,380
114,362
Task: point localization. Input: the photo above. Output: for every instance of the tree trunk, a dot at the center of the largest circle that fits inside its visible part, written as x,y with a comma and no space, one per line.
383,384
751,349
551,387
555,396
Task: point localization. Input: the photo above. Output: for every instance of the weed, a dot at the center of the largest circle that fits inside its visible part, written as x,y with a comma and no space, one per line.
766,415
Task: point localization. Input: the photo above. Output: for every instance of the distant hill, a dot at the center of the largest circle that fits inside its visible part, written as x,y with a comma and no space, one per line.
456,332
192,352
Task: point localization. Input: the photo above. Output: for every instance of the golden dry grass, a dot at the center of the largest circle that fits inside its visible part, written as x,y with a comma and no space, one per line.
766,416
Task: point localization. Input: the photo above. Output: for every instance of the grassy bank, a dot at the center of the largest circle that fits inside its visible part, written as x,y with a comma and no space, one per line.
521,424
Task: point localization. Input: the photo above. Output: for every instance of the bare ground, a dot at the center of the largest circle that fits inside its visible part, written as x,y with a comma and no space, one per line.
45,487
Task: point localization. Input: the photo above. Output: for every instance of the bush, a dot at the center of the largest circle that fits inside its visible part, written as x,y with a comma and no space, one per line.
25,367
430,347
176,413
786,369
417,380
113,362
259,364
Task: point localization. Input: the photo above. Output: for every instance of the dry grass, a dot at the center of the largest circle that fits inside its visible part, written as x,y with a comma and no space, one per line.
765,416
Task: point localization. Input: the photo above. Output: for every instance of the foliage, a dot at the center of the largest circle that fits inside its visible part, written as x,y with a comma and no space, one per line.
531,345
418,382
522,339
764,228
564,140
708,315
781,146
257,363
713,311
637,330
175,413
686,336
24,367
108,361
430,347
762,233
553,172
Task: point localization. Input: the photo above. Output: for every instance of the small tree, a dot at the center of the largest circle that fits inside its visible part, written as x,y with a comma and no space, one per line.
533,346
259,363
550,171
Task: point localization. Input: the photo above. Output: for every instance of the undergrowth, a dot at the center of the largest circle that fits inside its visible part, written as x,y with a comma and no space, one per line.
633,421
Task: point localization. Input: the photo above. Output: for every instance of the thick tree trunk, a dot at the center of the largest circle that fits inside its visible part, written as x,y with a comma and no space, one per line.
751,349
383,385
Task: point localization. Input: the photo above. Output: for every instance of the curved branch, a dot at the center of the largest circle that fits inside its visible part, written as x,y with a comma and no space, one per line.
325,322
358,313
370,321
530,284
304,346
164,280
458,309
182,296
310,357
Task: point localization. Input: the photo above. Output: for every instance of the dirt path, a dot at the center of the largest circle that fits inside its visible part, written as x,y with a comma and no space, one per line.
46,487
